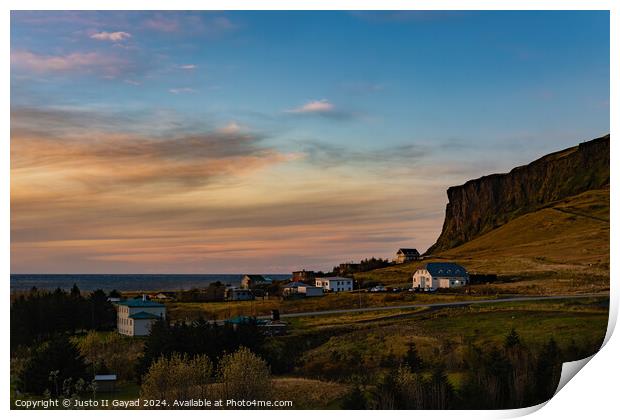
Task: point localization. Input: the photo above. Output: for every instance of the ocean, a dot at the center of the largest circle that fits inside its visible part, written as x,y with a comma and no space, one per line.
125,282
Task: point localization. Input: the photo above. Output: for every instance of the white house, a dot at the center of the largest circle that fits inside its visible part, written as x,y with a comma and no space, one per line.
136,316
334,284
299,288
435,276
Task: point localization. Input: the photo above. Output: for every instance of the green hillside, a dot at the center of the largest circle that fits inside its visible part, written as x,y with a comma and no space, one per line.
566,244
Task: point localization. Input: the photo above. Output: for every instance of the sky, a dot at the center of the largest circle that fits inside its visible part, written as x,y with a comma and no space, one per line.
266,142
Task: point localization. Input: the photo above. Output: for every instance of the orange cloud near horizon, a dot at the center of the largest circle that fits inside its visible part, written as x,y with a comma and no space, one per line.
218,201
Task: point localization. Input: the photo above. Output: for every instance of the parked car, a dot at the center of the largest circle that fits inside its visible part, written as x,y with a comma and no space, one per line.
378,288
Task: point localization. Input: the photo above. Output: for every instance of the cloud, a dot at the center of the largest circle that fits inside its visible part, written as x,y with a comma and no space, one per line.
54,141
315,107
93,62
328,155
188,66
177,91
162,24
321,108
170,22
230,128
111,36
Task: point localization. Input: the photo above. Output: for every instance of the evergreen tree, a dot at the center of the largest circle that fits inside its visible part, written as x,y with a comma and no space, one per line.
75,291
51,364
354,400
512,339
548,370
413,359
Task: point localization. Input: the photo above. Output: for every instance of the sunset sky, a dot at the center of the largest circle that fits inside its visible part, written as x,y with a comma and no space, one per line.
263,142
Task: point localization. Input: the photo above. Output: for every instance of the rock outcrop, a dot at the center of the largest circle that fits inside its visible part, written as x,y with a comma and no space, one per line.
483,204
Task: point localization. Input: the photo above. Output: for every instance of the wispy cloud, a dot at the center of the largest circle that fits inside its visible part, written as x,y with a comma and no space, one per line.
188,66
111,36
177,91
94,62
322,106
49,141
212,26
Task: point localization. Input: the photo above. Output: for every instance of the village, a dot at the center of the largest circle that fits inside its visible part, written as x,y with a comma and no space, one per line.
136,316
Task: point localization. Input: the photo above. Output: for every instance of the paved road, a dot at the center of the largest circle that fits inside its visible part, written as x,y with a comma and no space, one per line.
436,305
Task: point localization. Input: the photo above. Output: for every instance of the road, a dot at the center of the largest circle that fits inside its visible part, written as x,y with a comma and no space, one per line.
435,305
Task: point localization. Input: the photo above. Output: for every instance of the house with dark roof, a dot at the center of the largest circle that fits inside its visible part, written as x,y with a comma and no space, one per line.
250,281
135,317
440,275
404,255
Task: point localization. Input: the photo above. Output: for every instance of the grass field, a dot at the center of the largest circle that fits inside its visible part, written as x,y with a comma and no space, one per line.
342,300
444,334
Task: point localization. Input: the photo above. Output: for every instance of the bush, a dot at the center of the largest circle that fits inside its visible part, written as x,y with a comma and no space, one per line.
244,376
178,377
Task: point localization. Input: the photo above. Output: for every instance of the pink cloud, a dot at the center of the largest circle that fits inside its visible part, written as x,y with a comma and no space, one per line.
314,107
89,62
170,22
162,24
111,36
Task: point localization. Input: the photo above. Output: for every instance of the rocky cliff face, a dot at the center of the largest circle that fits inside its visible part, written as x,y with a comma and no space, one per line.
483,204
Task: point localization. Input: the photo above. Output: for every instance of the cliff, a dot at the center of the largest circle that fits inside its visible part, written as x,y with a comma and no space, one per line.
483,204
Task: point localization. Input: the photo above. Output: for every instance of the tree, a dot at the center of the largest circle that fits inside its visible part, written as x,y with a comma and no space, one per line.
178,377
75,291
245,376
198,337
354,400
110,352
548,370
102,314
51,364
512,339
413,359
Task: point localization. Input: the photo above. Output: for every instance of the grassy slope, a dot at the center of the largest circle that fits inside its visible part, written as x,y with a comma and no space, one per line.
566,243
434,333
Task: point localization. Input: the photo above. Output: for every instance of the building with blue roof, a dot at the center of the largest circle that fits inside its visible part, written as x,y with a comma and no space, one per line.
135,317
440,275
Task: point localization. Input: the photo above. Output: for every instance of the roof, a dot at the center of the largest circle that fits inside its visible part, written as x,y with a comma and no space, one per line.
334,278
245,320
143,315
140,303
295,284
408,251
105,377
438,269
257,278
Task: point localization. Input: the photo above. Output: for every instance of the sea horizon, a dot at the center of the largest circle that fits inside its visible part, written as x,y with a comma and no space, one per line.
125,282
